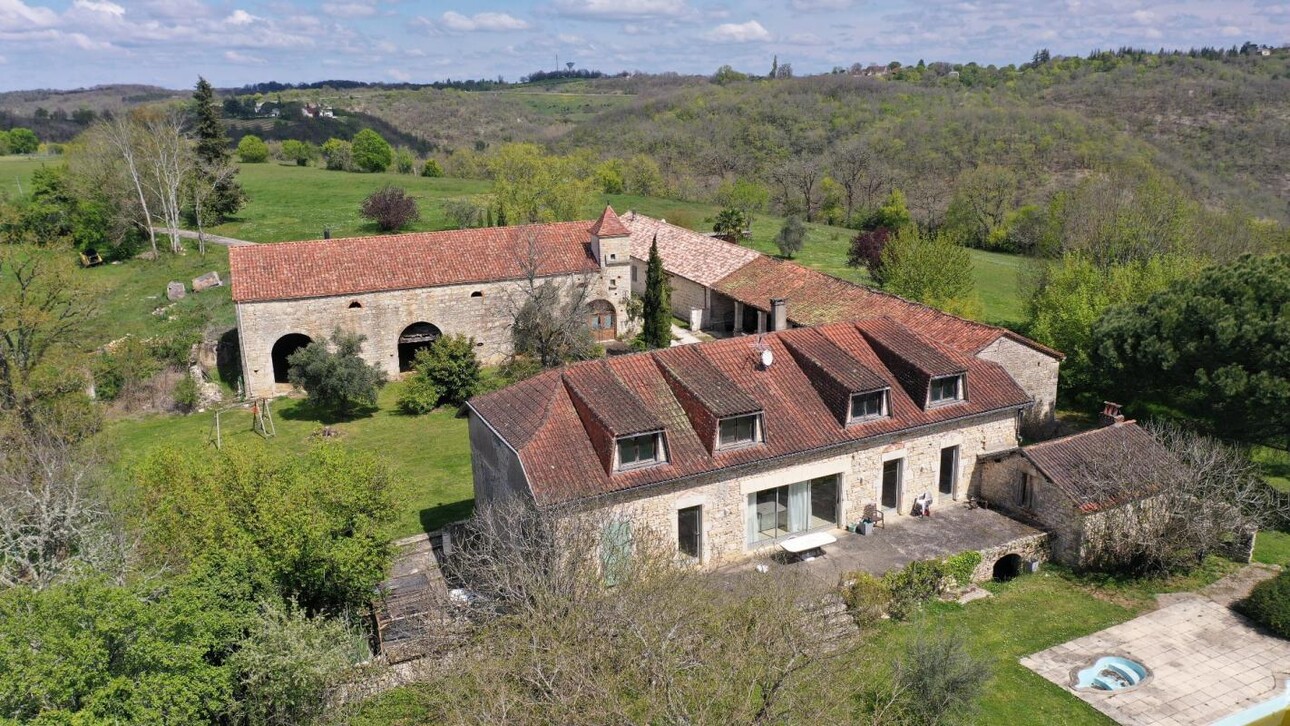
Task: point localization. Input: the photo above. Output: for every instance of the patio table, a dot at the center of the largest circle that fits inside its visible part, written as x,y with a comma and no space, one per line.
806,545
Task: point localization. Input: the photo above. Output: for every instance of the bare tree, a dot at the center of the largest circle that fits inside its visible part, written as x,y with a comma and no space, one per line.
52,524
204,184
1197,497
852,166
548,319
799,177
123,135
168,162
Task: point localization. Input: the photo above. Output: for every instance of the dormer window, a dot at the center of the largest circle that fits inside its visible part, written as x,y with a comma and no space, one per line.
866,406
947,389
640,450
736,431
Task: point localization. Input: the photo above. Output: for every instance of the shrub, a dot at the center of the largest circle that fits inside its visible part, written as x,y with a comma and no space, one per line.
1269,604
252,150
431,168
731,223
339,380
961,566
187,394
404,161
914,584
866,596
464,213
866,251
391,208
338,155
119,370
420,395
450,365
371,152
297,151
940,680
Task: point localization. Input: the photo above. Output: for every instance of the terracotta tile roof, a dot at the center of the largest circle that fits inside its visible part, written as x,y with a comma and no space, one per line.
815,298
685,252
609,225
1104,467
405,261
565,458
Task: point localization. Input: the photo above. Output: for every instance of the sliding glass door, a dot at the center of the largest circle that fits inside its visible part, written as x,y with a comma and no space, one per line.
792,509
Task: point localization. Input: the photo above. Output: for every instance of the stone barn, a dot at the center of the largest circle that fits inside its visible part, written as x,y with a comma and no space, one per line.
404,291
1065,487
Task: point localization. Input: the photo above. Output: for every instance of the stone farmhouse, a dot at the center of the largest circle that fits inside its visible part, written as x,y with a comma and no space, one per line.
403,291
735,445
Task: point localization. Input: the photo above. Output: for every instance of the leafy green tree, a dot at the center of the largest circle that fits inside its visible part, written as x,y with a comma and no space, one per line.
725,74
4,143
533,186
642,175
609,176
978,213
336,380
23,141
371,152
451,367
730,224
252,150
314,527
791,236
1070,295
404,161
745,195
1215,345
432,169
287,663
657,328
931,269
213,154
338,155
298,151
893,214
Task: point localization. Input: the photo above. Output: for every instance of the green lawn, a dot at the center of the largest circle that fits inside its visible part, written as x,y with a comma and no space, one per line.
1272,547
15,172
429,455
1275,464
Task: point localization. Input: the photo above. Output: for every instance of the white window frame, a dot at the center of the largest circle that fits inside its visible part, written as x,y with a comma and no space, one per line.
660,452
883,406
960,390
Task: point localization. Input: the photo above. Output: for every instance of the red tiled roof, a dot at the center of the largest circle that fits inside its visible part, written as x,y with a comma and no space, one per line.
406,261
1104,467
687,253
608,225
565,460
815,298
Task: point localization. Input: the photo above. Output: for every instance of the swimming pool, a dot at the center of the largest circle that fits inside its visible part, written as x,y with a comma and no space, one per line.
1275,712
1111,673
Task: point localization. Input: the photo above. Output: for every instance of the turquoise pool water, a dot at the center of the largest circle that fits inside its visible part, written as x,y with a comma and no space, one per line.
1111,673
1275,712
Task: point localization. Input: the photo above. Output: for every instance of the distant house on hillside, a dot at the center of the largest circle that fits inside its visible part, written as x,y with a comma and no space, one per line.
313,110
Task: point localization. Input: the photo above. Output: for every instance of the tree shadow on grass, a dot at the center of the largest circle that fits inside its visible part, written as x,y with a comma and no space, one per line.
305,411
436,517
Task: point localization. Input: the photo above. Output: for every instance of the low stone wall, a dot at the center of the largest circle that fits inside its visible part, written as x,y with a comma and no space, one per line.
1031,549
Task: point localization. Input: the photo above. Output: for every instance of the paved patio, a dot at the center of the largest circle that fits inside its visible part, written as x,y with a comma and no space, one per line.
1206,662
952,528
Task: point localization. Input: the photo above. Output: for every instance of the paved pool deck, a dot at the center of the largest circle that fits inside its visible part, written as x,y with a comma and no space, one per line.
1206,661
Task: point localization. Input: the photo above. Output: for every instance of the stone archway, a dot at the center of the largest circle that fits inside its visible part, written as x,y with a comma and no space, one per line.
415,337
1007,567
603,321
282,350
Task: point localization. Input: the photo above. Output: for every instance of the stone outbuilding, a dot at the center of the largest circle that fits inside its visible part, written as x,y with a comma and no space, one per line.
1066,486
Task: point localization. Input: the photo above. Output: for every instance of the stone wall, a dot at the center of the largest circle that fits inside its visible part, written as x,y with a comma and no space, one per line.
478,310
1034,548
1051,510
724,496
1036,373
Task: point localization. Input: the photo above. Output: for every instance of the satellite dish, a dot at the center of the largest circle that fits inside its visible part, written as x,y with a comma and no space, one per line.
767,357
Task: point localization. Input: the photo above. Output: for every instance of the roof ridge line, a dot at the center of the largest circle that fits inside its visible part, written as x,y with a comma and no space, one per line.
1079,434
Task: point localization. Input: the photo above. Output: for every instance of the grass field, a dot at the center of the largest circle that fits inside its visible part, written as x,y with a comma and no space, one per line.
429,455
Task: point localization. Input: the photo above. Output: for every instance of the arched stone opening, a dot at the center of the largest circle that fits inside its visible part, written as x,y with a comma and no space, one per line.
1007,567
414,338
282,350
603,321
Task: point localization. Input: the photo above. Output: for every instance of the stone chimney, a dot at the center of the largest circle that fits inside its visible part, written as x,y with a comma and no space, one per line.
1111,414
778,314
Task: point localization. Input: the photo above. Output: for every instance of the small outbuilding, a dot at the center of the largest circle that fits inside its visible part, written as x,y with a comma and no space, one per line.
1066,485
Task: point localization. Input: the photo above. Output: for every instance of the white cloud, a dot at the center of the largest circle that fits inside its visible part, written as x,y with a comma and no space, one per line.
749,32
811,6
349,10
241,17
17,15
399,74
233,56
482,21
621,9
100,6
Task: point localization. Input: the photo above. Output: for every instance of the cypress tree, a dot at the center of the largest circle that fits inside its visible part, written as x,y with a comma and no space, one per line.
657,331
213,152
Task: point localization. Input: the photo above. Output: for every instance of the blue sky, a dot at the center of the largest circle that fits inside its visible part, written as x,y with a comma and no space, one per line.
68,44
